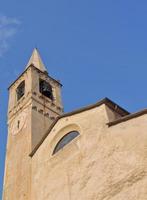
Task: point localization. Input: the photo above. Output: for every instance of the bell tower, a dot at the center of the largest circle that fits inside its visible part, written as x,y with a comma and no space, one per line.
34,104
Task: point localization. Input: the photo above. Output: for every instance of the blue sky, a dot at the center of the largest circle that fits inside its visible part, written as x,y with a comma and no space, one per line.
96,48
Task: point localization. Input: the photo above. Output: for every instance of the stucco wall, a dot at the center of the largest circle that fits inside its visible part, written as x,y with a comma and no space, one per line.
18,163
102,163
28,120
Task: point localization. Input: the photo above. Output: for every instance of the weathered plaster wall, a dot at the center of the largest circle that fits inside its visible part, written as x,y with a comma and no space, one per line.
18,163
102,163
28,120
111,114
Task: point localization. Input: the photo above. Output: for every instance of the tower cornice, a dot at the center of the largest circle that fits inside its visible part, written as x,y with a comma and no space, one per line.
28,68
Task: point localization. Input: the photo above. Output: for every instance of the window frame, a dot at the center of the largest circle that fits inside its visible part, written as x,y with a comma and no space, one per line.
61,143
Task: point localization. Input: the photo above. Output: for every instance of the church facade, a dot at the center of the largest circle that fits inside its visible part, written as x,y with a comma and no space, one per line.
98,152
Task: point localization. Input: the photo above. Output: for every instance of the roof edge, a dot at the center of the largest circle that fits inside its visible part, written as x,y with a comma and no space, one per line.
106,101
127,117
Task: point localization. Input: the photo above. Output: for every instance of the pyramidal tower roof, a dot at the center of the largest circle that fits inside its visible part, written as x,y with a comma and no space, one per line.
36,60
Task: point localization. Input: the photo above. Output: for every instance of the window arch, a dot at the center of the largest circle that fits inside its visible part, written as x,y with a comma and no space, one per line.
65,140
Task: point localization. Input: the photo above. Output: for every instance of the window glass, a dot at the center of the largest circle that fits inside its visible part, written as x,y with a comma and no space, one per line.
20,90
65,140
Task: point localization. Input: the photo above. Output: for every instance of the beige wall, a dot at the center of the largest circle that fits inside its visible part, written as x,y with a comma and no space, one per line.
102,163
28,120
17,165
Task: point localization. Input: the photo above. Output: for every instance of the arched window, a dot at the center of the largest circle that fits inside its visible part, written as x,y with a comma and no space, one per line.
45,89
65,140
20,90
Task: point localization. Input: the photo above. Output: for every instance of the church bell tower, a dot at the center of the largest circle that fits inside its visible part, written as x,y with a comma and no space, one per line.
34,104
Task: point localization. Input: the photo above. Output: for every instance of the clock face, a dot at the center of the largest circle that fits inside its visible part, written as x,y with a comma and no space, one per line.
17,124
